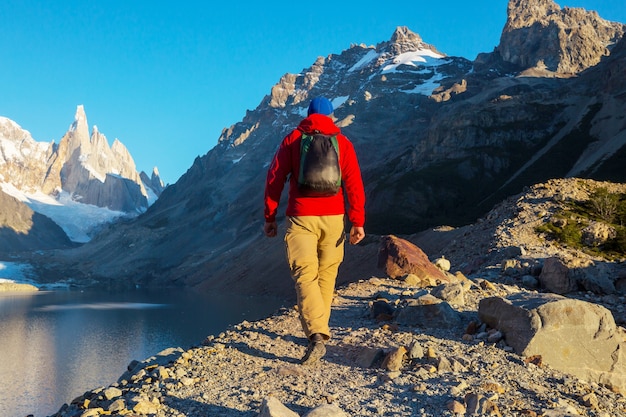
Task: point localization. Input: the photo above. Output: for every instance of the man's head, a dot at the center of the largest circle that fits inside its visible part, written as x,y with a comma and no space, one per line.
320,105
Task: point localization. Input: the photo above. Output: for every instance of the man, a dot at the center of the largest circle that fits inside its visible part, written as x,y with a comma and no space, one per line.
315,224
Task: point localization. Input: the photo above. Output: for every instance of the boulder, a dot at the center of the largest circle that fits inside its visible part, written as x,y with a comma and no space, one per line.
326,410
573,336
555,277
563,276
452,293
443,264
428,311
597,234
272,407
399,257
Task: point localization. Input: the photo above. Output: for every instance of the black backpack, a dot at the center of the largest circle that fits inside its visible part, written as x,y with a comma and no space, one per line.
320,174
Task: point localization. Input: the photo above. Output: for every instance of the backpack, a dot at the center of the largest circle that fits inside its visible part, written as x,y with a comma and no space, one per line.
320,174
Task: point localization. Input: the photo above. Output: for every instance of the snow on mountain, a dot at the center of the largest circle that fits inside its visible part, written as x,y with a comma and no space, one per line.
78,220
17,143
80,183
421,57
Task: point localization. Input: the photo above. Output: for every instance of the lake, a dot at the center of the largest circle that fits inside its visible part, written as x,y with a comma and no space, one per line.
56,345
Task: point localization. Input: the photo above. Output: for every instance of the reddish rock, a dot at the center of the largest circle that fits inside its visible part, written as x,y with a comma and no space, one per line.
399,257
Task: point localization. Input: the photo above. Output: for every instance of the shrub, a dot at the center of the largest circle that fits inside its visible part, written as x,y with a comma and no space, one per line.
605,204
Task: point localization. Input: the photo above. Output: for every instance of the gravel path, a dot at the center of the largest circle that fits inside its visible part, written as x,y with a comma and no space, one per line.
372,367
231,374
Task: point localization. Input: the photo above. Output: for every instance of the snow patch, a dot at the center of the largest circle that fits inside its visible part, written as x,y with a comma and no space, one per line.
426,88
78,220
370,56
417,58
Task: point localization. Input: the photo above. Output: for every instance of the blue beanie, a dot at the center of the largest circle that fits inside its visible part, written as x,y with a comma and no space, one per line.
320,105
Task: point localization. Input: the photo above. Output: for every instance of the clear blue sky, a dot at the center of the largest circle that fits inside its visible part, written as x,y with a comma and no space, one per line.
165,77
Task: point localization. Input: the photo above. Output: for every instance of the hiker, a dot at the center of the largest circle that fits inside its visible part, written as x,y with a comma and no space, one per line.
315,232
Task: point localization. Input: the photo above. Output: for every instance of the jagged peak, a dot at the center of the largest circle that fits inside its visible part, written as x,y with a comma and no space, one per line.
520,12
403,34
119,148
80,119
404,40
566,41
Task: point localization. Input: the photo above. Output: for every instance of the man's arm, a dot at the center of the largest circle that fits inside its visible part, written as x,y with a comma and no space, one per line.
274,183
270,229
357,233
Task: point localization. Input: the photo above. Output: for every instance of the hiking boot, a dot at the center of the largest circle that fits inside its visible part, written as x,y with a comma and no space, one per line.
314,352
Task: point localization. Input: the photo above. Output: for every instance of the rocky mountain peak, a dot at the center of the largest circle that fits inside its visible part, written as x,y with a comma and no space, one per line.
539,34
405,40
521,12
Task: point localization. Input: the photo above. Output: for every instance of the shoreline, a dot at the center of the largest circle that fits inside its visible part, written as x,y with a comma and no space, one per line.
436,369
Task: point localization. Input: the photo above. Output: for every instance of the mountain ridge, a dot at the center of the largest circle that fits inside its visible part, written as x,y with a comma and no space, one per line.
82,166
440,140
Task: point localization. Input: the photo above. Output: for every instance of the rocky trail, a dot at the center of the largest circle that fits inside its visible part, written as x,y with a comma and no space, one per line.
377,364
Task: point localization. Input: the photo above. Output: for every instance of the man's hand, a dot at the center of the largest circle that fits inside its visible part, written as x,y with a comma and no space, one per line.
357,233
270,229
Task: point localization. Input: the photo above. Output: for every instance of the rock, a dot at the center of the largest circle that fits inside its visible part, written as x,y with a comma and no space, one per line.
511,267
92,412
187,382
494,337
393,360
476,404
562,276
565,40
367,356
573,336
164,357
399,257
326,410
530,282
597,233
112,392
456,407
144,406
589,400
444,365
272,407
513,251
412,280
428,312
382,310
117,405
443,264
459,388
452,293
415,351
555,277
596,278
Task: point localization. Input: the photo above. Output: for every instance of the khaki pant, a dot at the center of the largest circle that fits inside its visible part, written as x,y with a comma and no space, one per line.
315,247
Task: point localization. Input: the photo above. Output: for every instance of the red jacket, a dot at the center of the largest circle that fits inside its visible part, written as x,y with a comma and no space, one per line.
287,161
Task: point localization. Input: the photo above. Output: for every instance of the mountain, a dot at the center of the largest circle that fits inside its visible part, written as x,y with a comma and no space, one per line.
22,229
440,141
81,168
